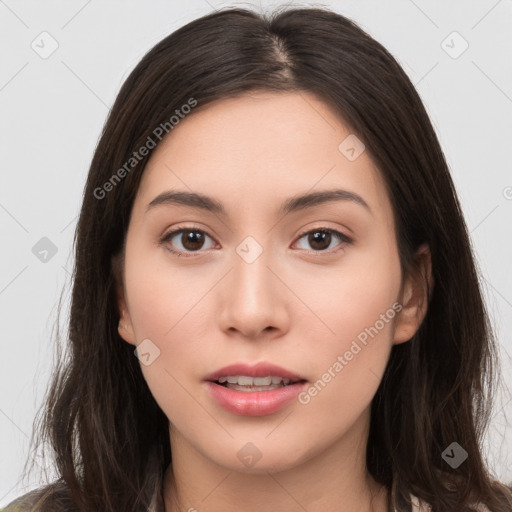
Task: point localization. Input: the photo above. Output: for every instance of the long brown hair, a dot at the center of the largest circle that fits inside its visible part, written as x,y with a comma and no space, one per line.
109,438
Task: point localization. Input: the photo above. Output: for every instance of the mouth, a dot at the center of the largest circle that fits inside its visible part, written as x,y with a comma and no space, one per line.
248,384
263,376
257,390
254,400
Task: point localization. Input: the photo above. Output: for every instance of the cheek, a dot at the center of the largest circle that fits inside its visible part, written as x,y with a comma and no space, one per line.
164,308
167,306
351,297
357,308
160,295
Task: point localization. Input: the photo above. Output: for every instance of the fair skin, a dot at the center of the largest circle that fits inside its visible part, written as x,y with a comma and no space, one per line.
298,305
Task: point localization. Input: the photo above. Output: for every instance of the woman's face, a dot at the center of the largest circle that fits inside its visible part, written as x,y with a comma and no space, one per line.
260,283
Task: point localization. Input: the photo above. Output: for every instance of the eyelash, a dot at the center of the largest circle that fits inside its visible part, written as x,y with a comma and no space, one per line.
344,239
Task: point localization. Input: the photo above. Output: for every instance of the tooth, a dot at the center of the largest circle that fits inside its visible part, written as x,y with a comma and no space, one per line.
250,389
262,381
244,380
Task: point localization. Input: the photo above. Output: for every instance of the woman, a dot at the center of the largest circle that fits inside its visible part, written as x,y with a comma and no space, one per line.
270,227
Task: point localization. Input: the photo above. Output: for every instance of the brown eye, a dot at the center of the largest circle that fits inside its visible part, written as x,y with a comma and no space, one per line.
185,240
192,240
320,239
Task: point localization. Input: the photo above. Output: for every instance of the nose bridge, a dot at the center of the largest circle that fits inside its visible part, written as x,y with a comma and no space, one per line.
252,280
252,300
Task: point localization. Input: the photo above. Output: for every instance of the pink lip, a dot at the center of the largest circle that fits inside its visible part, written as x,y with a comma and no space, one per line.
262,369
254,403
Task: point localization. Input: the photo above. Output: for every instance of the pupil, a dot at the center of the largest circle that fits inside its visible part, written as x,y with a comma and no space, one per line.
193,240
323,236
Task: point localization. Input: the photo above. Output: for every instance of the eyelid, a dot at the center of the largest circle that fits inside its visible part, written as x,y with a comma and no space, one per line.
344,239
189,227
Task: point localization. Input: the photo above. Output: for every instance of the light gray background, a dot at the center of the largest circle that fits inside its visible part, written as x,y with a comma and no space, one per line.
53,110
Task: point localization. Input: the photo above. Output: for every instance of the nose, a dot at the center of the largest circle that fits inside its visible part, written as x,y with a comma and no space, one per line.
254,301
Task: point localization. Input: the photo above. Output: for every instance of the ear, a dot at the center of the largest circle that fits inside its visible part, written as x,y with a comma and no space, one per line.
125,327
415,296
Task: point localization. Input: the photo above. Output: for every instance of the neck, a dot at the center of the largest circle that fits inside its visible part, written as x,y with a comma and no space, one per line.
335,480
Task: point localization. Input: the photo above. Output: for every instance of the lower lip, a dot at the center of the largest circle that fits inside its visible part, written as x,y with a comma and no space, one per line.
254,403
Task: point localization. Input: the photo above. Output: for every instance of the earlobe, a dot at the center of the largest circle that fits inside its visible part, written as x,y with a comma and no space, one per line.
415,297
125,327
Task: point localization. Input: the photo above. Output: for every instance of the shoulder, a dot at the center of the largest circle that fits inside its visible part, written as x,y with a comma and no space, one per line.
55,493
25,502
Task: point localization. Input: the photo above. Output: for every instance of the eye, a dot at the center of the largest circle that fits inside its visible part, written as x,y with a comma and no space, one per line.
190,239
320,238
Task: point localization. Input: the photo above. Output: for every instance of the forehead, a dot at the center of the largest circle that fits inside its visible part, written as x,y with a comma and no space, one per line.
259,149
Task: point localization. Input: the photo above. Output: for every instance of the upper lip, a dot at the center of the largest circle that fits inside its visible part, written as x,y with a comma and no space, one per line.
262,369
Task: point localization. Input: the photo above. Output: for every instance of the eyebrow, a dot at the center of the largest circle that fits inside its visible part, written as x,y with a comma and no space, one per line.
293,204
